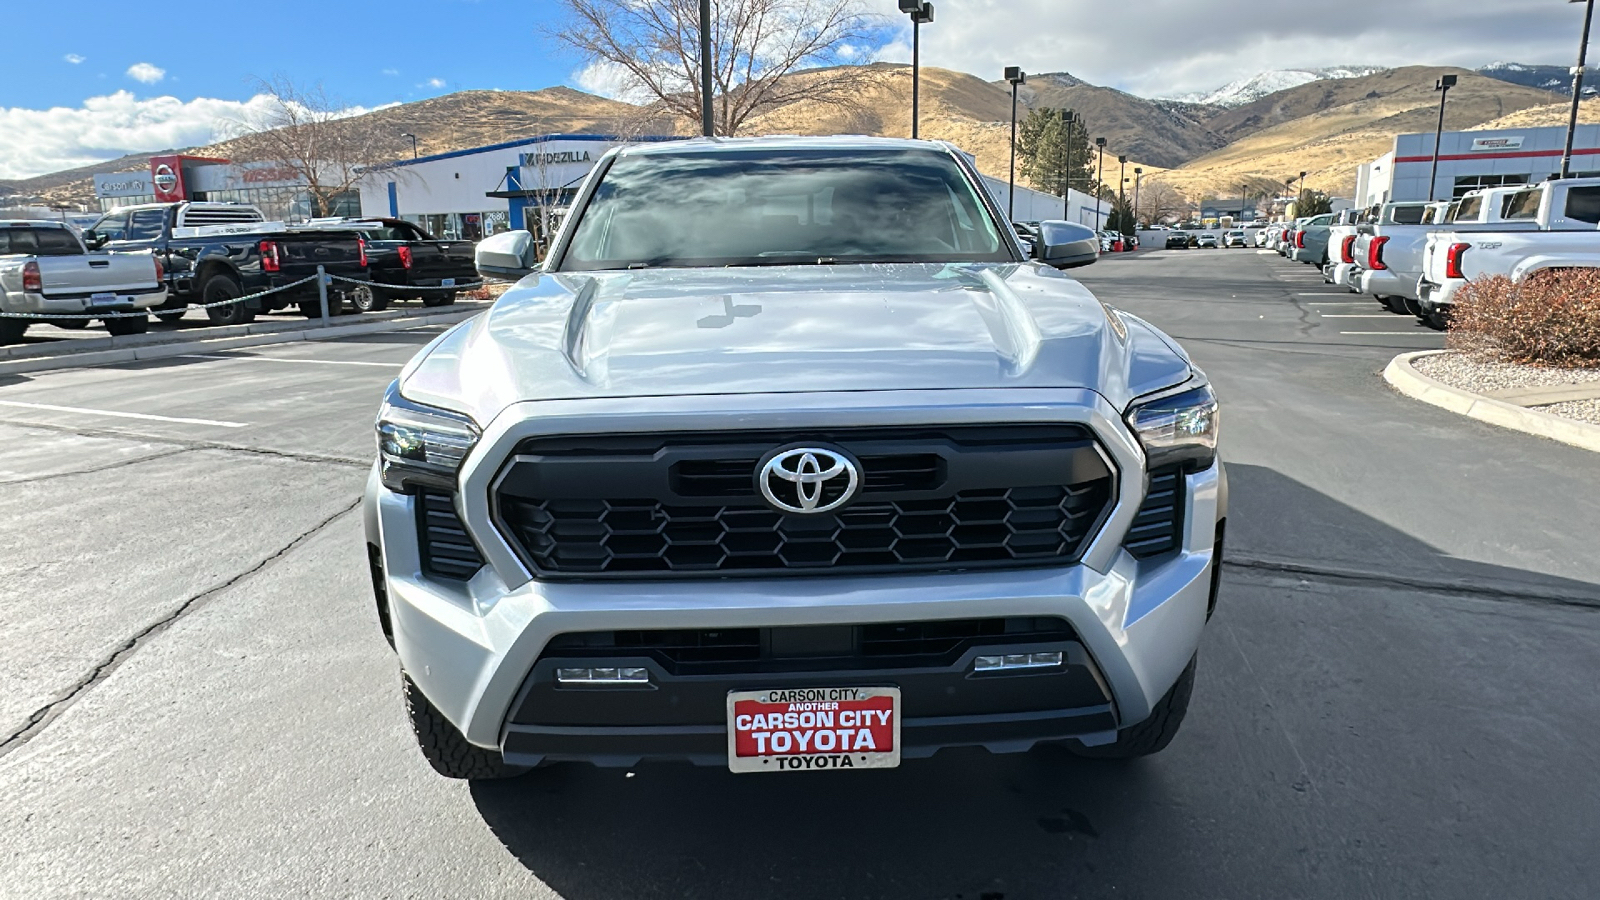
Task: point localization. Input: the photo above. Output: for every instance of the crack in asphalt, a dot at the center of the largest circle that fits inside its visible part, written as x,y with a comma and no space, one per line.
44,715
97,469
1503,591
186,444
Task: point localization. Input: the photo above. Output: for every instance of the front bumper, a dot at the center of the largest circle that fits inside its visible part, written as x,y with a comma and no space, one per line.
479,648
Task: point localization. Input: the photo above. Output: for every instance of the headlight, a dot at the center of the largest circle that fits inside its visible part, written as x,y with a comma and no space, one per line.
421,444
1181,428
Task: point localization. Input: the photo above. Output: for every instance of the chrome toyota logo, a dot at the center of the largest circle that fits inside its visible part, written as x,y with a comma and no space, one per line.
809,480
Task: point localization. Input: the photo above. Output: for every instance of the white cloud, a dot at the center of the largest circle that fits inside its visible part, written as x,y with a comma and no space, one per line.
611,80
36,141
390,72
434,83
1177,46
146,73
73,58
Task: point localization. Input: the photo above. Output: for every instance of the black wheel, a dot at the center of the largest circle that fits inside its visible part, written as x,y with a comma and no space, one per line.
432,300
170,317
12,330
1153,734
451,754
368,299
70,324
223,287
312,309
1396,305
1437,317
126,325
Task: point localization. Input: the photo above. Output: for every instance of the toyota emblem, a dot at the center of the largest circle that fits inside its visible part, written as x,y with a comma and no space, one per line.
808,480
165,178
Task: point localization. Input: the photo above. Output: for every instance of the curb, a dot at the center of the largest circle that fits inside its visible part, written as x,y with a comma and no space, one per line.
1407,380
74,360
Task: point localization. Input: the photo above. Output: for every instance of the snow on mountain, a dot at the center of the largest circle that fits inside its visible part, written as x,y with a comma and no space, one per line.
1551,78
1249,90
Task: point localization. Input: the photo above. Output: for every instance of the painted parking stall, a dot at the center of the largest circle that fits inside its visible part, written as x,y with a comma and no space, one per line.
814,728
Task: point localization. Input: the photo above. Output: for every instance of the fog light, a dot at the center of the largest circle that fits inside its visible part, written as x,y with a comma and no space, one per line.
604,675
1014,661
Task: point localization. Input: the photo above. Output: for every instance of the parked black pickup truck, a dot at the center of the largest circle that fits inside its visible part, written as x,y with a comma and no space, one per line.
214,251
415,263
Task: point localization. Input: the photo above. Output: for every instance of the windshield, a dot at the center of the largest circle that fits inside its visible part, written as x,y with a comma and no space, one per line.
783,207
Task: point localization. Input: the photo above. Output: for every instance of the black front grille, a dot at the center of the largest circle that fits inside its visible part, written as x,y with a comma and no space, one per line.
446,549
799,648
1158,528
659,506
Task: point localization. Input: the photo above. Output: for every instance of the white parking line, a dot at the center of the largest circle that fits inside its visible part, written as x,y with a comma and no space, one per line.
279,359
1418,333
122,415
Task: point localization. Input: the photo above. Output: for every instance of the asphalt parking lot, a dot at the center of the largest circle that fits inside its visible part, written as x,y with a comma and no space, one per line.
1395,699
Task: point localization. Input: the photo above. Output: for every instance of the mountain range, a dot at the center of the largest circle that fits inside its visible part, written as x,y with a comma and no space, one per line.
1326,121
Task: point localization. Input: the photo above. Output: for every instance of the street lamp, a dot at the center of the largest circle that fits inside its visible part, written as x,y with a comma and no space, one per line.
1122,189
921,12
1099,181
1071,120
1016,77
1446,82
1138,179
413,143
707,125
1577,86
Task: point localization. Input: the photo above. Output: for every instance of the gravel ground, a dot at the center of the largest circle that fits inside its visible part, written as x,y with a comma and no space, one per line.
1462,371
1582,410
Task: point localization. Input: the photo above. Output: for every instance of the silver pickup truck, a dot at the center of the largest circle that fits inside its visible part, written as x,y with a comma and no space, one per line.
45,269
789,456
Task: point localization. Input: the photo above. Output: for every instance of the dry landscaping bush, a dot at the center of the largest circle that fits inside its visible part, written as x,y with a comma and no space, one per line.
1551,318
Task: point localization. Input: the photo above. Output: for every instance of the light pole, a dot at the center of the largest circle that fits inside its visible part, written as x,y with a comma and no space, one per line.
413,143
1446,82
1122,188
1577,86
1072,120
1099,181
1017,77
1138,179
921,12
707,125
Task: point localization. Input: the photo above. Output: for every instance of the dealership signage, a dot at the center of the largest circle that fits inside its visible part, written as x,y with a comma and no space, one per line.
554,159
1493,145
123,184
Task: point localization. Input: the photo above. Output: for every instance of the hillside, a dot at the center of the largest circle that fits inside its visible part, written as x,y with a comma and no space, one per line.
1249,90
1161,133
1556,114
1328,128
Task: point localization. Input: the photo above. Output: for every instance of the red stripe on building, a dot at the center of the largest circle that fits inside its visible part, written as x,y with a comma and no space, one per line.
1519,154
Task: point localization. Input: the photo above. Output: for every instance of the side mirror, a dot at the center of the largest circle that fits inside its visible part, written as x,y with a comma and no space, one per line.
1067,245
94,240
509,254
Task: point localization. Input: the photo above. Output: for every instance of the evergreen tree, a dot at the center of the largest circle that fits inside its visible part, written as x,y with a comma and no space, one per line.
1312,203
1122,218
1051,154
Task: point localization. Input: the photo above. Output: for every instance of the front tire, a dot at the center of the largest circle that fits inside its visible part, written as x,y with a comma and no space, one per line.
368,299
223,287
122,327
443,745
1154,733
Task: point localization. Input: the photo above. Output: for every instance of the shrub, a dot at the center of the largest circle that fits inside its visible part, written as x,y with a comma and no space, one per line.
1551,318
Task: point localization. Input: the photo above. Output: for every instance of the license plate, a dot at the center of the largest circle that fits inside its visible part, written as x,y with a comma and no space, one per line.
794,729
102,299
447,282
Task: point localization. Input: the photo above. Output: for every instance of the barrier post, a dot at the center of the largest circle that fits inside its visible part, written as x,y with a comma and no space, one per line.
322,294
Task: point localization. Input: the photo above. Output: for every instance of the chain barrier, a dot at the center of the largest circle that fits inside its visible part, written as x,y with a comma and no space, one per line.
159,310
409,288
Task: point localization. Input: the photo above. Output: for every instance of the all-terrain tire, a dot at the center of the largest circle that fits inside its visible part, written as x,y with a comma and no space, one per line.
126,325
443,745
1154,733
219,288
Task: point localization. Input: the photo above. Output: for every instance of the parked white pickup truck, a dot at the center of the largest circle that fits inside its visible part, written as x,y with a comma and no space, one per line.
45,269
1388,253
1555,225
1341,246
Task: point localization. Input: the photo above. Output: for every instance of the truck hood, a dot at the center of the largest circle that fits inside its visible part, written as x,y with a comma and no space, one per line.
791,329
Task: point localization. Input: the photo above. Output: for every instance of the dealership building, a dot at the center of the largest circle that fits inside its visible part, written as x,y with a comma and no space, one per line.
1473,159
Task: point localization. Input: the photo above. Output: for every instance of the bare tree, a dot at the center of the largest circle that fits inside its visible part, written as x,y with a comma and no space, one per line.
758,48
304,130
1159,201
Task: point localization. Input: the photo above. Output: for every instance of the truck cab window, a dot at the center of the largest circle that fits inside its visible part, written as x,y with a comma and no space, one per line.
113,227
56,242
146,224
1583,204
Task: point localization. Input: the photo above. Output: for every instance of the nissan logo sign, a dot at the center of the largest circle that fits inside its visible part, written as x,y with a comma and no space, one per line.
165,178
808,480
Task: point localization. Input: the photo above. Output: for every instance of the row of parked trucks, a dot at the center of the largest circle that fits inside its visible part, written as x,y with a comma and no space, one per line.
160,258
1414,258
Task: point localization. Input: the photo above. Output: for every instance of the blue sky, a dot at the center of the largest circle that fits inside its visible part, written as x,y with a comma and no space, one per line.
106,78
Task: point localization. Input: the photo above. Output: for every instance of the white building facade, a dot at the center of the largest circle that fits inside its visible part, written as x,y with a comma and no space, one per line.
1472,159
